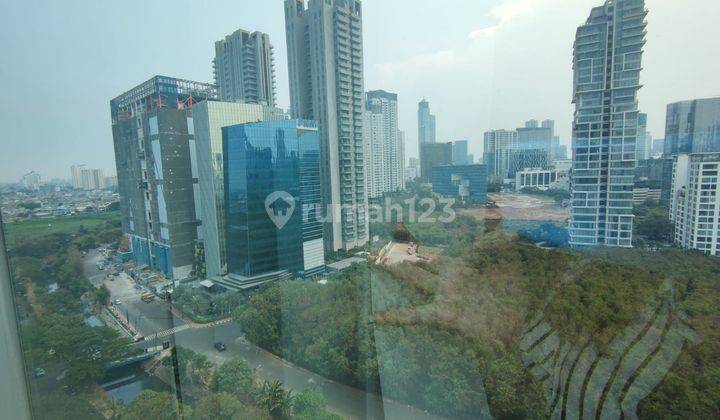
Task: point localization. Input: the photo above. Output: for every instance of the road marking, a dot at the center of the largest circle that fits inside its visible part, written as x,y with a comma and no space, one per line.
166,333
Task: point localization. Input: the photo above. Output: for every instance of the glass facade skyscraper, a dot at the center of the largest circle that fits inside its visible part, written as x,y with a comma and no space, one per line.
607,61
272,198
693,127
209,117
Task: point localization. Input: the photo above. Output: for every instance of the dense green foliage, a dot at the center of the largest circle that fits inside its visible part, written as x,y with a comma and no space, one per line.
652,223
204,307
237,378
233,392
444,335
53,297
156,406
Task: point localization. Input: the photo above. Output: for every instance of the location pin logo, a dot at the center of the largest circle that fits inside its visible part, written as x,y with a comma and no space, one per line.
280,206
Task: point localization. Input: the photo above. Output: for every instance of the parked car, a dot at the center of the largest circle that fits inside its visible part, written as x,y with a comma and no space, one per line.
220,346
39,372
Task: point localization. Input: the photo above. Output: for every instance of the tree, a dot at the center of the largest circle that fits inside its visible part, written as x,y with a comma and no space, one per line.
194,368
276,400
311,404
102,295
31,205
494,187
156,406
223,406
235,377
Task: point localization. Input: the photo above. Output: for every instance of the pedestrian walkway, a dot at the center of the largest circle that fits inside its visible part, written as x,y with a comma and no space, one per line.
166,333
184,327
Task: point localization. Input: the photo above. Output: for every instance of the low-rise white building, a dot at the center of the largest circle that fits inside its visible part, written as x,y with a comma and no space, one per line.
543,179
695,203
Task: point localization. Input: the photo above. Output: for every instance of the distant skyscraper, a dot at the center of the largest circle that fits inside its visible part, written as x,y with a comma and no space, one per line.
31,181
325,59
426,123
383,146
658,146
272,199
540,136
460,153
695,201
496,152
607,62
209,117
92,179
434,154
642,145
244,68
693,127
85,178
154,140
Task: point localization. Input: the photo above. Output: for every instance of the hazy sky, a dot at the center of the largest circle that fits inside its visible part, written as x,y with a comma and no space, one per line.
482,64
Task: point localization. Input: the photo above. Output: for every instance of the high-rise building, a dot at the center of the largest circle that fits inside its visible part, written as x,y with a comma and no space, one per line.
325,59
466,182
607,61
534,136
496,152
383,146
244,68
76,174
272,201
154,141
460,153
693,127
208,119
695,201
426,123
643,144
434,154
521,159
31,181
655,174
658,146
85,178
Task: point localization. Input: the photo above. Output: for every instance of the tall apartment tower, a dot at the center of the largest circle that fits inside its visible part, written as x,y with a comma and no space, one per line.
383,145
497,149
244,68
325,60
607,61
76,173
695,201
154,139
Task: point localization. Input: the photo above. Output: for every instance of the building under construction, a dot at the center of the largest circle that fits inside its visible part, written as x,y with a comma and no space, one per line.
154,140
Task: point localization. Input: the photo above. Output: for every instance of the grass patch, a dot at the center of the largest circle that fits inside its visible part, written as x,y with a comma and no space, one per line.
31,229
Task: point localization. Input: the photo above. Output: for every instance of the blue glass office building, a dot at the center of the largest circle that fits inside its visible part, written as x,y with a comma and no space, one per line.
272,197
468,182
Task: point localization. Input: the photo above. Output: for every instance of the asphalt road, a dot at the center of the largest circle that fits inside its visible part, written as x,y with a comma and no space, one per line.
155,318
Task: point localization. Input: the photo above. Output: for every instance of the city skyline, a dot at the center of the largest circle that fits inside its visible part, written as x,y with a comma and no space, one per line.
415,65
